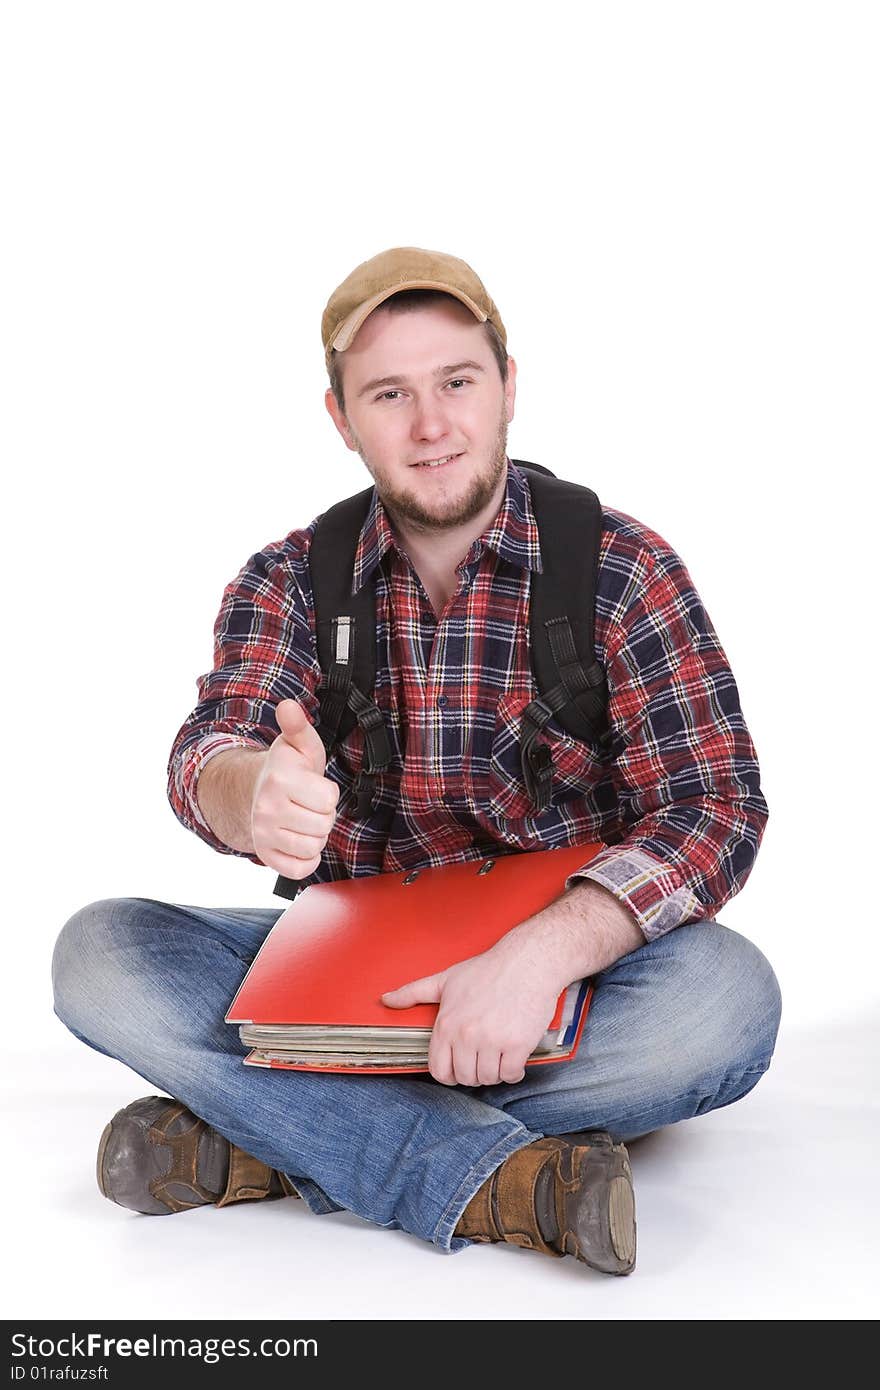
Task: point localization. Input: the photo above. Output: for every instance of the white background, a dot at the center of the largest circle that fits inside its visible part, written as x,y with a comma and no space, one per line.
675,208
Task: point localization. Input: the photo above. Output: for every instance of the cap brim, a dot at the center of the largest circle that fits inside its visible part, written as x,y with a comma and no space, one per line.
345,333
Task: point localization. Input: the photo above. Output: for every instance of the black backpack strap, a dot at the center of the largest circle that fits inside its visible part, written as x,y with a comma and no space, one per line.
572,684
345,628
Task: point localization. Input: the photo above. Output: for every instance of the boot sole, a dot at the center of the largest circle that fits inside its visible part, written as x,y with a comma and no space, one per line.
102,1149
601,1229
622,1221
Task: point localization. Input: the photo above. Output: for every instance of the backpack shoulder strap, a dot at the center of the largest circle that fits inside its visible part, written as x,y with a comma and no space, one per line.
345,632
572,684
341,616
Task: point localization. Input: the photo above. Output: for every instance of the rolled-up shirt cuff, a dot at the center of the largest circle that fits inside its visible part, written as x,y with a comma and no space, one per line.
651,889
197,759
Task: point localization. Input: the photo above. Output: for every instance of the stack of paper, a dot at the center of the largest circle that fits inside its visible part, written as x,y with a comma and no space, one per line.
375,1049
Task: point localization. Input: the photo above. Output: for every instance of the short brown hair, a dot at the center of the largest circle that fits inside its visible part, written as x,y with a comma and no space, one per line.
400,303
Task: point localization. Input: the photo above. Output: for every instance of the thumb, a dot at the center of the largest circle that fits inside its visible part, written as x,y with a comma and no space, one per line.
300,733
424,991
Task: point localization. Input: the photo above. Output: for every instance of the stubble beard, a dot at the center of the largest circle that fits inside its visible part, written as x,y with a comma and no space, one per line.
404,506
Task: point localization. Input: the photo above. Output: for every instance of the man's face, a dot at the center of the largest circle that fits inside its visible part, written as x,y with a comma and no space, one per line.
420,386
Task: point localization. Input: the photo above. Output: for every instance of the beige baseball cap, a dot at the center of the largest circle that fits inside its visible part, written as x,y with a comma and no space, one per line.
401,268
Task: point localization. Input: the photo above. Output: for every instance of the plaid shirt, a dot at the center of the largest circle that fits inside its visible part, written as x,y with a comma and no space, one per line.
675,800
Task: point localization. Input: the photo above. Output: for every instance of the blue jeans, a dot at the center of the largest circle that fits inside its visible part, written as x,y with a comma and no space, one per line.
683,1025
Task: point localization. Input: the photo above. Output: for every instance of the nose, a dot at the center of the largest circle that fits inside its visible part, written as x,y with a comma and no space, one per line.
429,419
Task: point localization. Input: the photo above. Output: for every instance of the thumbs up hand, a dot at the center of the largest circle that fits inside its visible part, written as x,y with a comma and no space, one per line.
294,804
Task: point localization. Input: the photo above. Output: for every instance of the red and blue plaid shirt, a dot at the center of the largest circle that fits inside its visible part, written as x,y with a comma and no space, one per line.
675,800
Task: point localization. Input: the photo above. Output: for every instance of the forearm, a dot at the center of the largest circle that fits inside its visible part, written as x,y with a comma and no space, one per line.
580,933
226,794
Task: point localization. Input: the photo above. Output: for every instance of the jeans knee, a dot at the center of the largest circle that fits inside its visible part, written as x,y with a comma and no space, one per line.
747,1029
765,1012
724,1007
80,958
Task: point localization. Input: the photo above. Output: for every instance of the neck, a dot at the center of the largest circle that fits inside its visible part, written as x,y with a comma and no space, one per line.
439,550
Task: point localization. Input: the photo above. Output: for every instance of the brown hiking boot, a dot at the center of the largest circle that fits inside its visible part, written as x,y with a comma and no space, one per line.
156,1157
570,1194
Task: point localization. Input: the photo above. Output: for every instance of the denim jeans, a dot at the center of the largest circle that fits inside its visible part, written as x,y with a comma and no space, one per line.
681,1026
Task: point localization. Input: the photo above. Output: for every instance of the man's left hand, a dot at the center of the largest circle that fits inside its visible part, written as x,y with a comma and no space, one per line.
494,1010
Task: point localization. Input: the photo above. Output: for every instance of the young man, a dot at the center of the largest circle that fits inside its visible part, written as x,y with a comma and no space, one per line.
685,1011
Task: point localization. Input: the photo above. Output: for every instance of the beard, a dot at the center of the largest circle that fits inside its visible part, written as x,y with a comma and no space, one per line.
404,506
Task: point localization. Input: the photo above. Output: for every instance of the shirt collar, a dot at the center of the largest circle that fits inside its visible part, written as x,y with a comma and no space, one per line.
513,535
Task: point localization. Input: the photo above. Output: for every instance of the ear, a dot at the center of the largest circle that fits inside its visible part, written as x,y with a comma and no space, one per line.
510,388
338,418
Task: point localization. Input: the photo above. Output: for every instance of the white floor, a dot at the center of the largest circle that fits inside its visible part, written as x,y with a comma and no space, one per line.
765,1210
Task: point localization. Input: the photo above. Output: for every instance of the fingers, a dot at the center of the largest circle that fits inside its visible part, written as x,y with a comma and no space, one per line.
464,1065
426,990
297,819
454,1063
287,864
289,780
291,845
299,733
294,805
281,826
440,1063
461,1066
511,1069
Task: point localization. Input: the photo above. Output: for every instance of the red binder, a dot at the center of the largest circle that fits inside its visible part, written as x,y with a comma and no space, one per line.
341,945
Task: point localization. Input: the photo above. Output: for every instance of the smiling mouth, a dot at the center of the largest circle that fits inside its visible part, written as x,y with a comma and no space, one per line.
436,463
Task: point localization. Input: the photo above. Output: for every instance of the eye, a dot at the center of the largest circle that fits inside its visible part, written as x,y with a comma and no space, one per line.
458,381
387,395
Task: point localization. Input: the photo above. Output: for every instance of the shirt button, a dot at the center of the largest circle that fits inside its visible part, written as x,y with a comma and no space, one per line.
441,701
